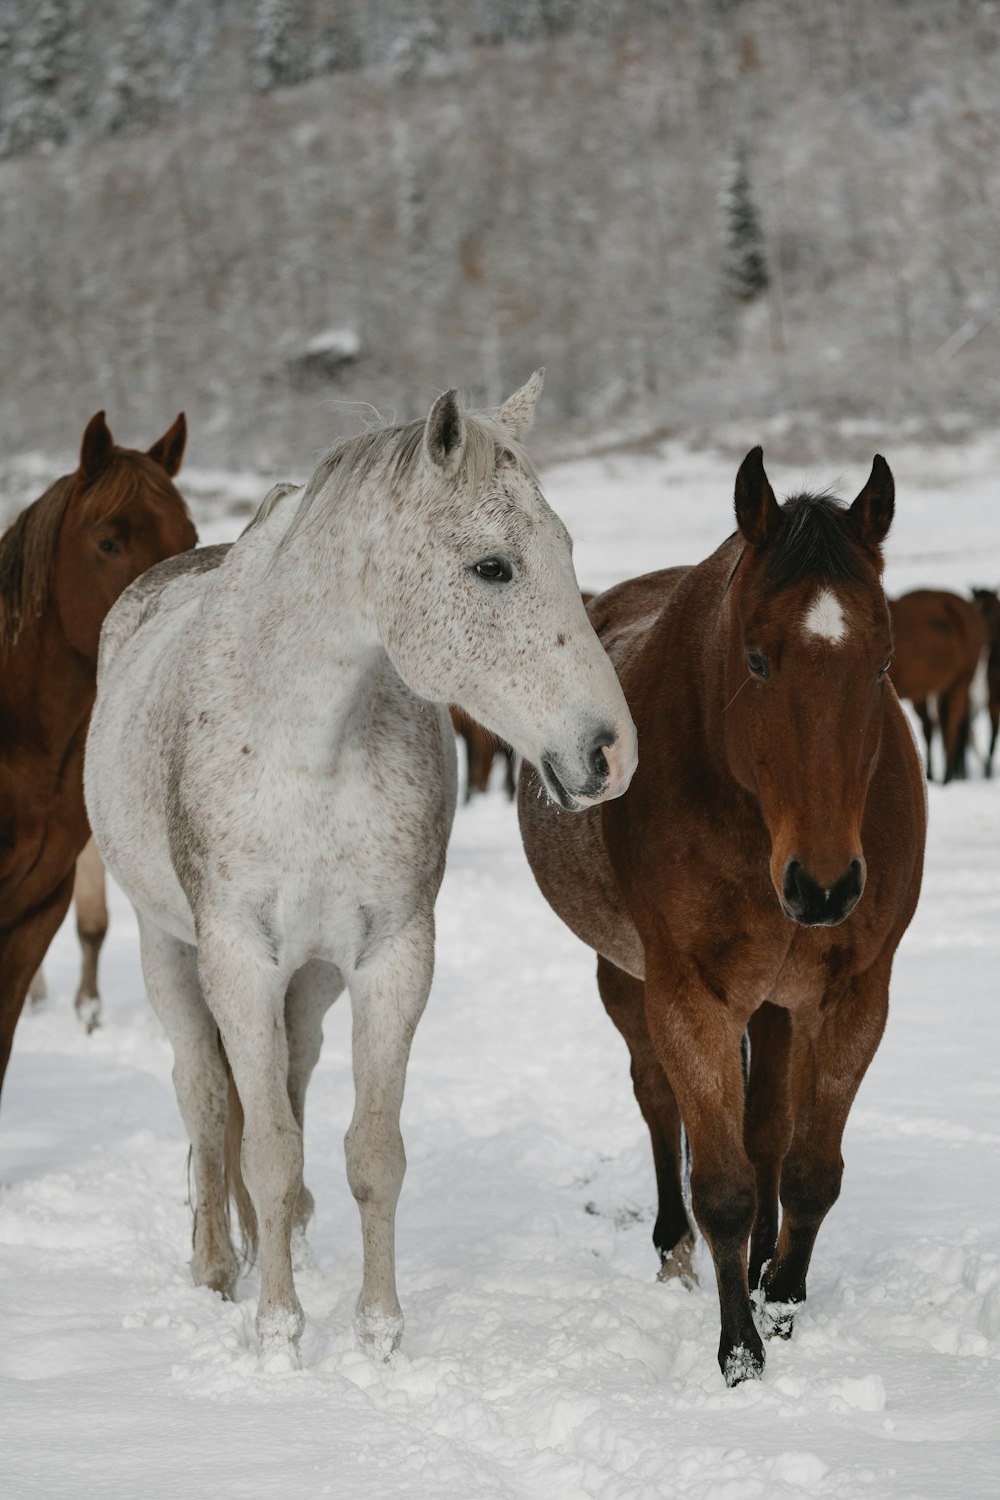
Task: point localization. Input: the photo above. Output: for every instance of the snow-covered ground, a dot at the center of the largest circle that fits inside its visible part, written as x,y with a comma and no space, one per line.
541,1358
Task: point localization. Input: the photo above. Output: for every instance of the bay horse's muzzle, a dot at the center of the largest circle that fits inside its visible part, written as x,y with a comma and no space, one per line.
805,901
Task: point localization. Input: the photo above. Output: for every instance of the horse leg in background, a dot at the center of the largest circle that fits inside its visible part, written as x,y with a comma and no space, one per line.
91,925
170,969
826,1075
625,1002
22,948
510,779
245,991
953,712
388,992
699,1044
994,710
482,747
310,994
767,1126
927,724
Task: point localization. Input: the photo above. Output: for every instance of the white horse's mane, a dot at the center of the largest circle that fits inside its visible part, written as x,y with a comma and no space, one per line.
395,453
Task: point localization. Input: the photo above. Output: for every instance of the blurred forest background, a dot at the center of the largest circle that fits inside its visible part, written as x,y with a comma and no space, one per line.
692,212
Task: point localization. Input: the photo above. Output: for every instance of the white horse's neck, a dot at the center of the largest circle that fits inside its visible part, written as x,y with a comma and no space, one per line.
307,651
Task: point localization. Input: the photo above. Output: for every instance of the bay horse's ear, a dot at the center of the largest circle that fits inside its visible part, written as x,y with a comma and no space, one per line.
168,450
872,511
518,411
444,433
95,450
757,511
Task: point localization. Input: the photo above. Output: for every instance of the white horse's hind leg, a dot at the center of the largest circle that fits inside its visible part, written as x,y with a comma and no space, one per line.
310,994
171,974
246,993
388,994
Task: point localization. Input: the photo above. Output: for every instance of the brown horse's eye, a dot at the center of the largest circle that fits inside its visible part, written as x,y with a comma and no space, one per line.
109,546
757,664
883,668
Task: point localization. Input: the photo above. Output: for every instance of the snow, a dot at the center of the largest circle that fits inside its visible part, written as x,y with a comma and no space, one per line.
541,1357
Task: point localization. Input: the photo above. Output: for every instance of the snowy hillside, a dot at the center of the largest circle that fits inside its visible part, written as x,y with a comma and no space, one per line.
541,1359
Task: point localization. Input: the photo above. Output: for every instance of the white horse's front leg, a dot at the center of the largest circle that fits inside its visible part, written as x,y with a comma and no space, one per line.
171,974
246,993
388,995
311,992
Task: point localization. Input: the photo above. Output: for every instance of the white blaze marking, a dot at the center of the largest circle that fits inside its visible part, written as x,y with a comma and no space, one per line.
826,618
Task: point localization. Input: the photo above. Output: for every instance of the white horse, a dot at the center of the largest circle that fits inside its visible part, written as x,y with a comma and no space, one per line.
271,777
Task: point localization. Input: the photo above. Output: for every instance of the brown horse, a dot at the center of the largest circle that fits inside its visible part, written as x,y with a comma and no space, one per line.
90,899
778,795
988,603
63,563
938,641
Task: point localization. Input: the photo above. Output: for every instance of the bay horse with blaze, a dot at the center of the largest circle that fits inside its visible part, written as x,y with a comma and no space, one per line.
778,797
63,563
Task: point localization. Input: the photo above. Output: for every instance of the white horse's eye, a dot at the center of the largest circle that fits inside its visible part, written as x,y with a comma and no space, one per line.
494,570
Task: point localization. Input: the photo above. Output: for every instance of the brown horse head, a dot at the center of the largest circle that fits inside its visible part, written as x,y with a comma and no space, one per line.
809,651
104,525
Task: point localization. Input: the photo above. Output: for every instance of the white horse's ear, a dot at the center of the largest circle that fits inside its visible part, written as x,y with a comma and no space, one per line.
518,411
444,433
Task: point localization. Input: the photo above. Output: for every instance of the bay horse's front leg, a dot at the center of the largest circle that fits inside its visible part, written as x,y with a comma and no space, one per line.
388,994
767,1127
23,945
625,1002
697,1039
245,991
827,1071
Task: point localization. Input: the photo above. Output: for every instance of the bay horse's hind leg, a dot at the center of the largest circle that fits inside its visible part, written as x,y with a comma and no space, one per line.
170,970
826,1073
625,1001
310,994
91,926
388,993
927,724
767,1126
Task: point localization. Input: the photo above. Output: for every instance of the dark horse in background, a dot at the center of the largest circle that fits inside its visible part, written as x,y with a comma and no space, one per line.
939,640
63,563
759,874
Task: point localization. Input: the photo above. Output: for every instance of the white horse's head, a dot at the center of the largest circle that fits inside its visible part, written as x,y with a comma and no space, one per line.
476,601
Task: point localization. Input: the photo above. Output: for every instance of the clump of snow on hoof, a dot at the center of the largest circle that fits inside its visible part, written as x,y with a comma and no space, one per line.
677,1264
88,1012
379,1333
278,1334
777,1319
742,1364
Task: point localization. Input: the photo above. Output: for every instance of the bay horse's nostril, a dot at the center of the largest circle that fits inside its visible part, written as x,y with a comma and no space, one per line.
812,905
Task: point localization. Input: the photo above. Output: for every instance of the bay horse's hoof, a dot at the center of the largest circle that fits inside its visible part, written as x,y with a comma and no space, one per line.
88,1011
742,1364
777,1319
676,1264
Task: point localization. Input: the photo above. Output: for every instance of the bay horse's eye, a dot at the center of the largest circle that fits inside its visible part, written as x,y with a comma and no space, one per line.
494,570
757,664
883,668
108,545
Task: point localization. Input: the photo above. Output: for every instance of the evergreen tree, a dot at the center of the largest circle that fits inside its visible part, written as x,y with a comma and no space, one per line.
746,263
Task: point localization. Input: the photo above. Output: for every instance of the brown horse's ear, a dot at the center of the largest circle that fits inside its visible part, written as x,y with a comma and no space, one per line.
168,450
872,511
95,450
444,433
757,511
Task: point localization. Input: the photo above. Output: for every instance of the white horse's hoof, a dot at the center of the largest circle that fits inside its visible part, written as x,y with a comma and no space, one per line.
278,1334
379,1333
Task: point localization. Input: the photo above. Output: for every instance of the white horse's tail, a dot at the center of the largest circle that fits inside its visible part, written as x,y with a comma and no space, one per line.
236,1188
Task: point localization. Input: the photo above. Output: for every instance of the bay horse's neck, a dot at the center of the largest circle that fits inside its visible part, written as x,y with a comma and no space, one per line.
46,687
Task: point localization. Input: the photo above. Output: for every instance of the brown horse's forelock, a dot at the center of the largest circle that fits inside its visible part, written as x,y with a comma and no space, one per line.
815,540
27,548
